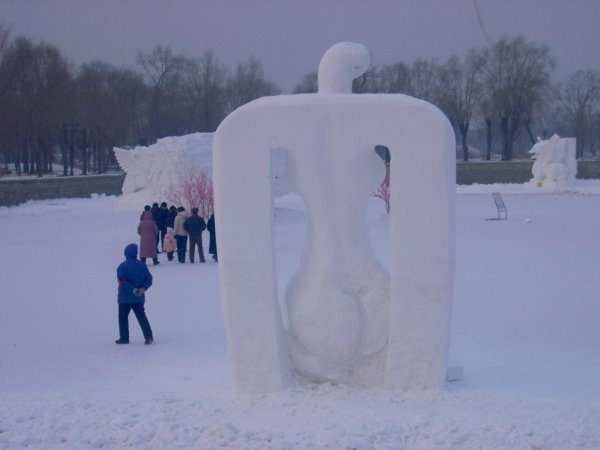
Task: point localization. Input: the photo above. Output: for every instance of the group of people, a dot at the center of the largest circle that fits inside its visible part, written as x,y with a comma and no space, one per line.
172,228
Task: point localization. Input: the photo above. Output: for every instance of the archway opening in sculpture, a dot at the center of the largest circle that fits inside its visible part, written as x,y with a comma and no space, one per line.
378,213
290,211
347,310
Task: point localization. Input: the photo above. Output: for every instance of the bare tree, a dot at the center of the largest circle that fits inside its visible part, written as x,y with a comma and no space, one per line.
110,106
4,38
389,79
248,83
579,96
368,82
23,96
159,65
53,82
308,85
516,73
424,79
163,70
6,78
37,99
205,81
395,79
485,106
459,87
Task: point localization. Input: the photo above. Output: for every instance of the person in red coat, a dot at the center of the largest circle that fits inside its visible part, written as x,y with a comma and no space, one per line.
148,232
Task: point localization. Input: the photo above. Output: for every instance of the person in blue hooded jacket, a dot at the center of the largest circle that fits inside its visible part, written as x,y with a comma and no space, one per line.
134,280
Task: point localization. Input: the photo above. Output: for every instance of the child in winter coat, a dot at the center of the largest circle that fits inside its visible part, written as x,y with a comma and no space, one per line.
169,244
134,280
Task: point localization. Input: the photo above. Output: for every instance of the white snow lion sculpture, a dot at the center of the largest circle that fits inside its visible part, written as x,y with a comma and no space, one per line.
555,162
349,321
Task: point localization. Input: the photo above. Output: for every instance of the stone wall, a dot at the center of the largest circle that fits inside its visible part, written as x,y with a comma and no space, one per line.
489,172
587,170
18,190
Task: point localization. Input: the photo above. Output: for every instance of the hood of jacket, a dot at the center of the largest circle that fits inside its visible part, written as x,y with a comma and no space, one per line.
131,251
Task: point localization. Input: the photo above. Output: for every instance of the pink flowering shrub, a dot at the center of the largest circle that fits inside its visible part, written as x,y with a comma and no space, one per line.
194,191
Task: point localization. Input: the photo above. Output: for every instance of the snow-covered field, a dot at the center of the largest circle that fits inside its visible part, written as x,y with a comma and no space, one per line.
526,330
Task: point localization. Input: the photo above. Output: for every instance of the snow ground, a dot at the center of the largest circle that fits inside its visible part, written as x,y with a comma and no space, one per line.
526,330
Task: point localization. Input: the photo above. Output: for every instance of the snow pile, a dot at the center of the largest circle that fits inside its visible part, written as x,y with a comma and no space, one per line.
349,321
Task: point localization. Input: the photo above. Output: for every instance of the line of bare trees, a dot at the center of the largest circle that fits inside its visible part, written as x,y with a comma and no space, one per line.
503,92
52,111
499,99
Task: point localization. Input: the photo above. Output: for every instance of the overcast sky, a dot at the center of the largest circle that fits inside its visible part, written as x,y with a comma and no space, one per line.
290,36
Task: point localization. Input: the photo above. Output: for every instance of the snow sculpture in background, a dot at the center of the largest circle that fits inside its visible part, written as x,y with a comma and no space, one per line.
159,168
349,321
162,167
555,162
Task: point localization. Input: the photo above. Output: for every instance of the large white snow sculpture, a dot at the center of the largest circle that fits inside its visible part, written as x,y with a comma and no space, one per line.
158,168
349,321
555,162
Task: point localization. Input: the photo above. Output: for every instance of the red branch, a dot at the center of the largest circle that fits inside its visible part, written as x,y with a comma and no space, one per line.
194,191
383,192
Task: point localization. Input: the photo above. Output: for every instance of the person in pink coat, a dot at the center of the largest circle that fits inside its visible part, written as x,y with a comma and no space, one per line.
148,232
169,244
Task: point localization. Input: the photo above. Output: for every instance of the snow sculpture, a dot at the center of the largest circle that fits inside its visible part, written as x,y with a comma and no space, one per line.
555,162
154,170
349,321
